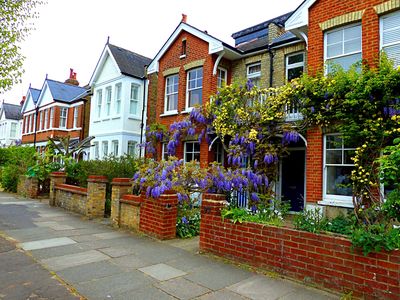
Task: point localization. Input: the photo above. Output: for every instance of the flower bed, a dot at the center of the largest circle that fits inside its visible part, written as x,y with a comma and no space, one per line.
325,260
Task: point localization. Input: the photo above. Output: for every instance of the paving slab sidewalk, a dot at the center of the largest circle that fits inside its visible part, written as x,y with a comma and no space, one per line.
100,262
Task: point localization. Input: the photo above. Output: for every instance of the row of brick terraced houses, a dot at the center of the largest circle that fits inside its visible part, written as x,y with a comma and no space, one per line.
128,90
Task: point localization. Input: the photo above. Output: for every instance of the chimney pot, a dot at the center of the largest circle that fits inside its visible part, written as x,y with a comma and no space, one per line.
184,18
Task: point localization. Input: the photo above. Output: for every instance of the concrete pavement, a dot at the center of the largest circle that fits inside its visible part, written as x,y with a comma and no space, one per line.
100,262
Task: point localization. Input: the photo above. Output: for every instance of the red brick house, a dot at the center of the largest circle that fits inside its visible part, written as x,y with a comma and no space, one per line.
340,32
58,109
185,72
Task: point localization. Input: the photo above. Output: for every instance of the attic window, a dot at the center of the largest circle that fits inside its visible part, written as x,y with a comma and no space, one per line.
183,50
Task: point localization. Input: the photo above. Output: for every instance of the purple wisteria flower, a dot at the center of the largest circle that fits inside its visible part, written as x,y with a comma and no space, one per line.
185,220
290,137
249,85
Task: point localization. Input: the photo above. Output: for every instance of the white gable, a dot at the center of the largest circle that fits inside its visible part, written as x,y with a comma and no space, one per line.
214,45
106,69
2,115
29,104
45,96
300,16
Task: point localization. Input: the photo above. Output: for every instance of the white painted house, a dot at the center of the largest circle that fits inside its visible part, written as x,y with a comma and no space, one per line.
117,112
10,124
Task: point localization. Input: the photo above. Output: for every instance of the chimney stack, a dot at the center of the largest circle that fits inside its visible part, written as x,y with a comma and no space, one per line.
184,18
22,101
72,78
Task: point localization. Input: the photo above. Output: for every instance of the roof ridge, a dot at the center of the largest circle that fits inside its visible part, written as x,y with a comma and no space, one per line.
130,51
72,85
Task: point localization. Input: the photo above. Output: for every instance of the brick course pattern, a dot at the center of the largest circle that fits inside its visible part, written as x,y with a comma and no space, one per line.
327,14
120,187
325,260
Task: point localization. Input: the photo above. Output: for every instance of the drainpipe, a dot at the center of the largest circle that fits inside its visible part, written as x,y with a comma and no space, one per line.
271,66
143,110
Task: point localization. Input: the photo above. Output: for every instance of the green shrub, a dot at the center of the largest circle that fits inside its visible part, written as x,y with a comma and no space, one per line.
311,220
9,178
188,221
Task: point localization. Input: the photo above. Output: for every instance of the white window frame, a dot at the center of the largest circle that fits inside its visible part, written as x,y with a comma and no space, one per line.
41,125
221,80
99,102
381,45
166,110
108,91
46,119
51,125
254,75
117,97
164,151
330,199
342,28
133,101
295,65
76,114
104,148
13,130
131,144
193,152
115,147
65,118
96,150
188,90
26,129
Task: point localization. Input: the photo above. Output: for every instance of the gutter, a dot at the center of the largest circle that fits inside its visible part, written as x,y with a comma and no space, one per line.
271,66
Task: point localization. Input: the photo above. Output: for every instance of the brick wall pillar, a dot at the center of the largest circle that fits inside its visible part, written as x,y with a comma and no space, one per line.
28,186
314,157
55,178
211,206
120,187
96,196
158,216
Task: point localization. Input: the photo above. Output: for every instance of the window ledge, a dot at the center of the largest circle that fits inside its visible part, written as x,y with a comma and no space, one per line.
182,56
188,110
169,113
106,119
96,121
134,118
337,203
116,117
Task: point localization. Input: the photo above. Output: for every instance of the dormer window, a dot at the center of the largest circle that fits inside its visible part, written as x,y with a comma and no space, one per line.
183,49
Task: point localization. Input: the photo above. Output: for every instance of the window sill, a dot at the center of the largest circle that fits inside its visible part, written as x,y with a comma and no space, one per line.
182,56
337,203
169,113
187,110
134,118
96,121
116,118
106,119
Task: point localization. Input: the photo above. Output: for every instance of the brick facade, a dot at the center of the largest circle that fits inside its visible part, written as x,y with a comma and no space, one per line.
324,260
325,14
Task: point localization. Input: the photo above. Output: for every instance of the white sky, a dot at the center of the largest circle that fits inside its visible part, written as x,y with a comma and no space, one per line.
72,34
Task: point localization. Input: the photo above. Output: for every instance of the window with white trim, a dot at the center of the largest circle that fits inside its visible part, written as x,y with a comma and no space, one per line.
63,117
41,120
390,36
134,100
192,151
75,116
294,65
171,93
96,150
342,47
25,130
164,151
118,88
99,100
46,118
194,88
131,150
254,73
13,130
221,77
338,166
115,147
51,117
108,100
104,147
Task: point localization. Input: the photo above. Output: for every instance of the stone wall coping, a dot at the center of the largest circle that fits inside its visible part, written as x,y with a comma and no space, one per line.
121,181
58,174
71,188
97,178
137,201
213,197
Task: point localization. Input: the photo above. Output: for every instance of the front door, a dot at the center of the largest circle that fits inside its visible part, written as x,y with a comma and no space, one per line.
292,188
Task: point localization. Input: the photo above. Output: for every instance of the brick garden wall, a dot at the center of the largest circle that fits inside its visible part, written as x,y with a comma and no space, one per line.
72,198
28,187
314,258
